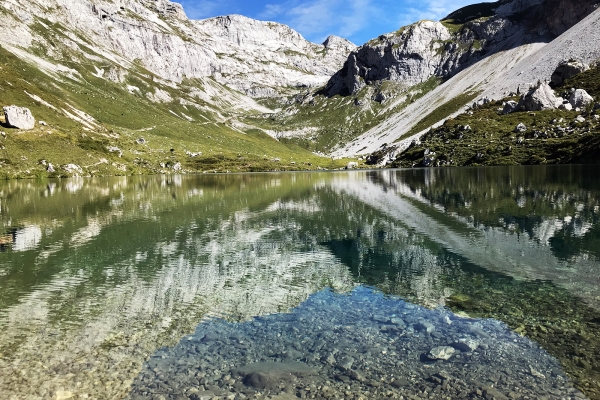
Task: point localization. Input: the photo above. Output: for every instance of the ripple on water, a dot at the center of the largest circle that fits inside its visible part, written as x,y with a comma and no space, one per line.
350,345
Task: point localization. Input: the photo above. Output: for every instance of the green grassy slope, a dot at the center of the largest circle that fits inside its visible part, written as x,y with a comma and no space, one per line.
120,117
335,121
552,136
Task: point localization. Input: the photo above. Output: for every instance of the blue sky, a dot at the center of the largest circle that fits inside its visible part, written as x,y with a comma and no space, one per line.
357,20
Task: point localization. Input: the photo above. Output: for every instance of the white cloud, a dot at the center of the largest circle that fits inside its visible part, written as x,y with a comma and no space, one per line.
272,11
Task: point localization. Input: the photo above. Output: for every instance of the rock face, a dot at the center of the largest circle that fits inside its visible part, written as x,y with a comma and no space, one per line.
567,70
257,57
432,49
254,57
19,117
539,98
411,55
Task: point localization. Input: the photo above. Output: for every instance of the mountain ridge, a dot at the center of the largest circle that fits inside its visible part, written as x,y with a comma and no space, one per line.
237,92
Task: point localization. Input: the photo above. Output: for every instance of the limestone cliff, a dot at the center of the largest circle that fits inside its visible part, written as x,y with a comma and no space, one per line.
257,58
428,49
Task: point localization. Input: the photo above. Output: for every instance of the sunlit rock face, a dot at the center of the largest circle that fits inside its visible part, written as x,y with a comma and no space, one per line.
428,49
257,58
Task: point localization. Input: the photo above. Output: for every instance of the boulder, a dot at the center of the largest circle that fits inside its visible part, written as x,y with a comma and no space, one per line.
352,165
510,107
19,117
580,99
567,70
74,169
566,106
539,98
520,128
380,97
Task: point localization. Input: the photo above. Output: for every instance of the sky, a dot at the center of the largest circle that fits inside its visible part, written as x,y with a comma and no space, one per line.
356,20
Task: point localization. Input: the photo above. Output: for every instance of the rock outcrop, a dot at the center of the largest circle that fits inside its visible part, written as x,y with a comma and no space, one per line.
442,49
411,55
19,117
539,98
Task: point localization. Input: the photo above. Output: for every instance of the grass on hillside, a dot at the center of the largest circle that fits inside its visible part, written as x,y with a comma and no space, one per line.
552,136
441,112
121,118
337,121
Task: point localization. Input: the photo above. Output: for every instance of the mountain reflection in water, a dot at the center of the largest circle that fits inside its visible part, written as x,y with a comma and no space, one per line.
97,274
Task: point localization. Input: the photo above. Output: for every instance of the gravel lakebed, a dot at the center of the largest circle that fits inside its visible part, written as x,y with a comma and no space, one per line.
351,346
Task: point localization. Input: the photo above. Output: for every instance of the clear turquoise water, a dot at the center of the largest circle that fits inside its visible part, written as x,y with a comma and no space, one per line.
198,286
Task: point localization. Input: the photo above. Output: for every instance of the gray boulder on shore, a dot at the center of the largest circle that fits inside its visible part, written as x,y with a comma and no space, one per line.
19,117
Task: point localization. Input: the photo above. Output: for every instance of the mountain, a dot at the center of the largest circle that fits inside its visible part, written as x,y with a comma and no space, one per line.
134,86
234,50
119,84
424,49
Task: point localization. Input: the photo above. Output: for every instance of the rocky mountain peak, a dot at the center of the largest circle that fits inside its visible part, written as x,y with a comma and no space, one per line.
335,42
429,49
166,7
244,31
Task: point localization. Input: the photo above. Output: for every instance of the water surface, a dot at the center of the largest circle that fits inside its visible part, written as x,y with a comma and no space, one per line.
203,286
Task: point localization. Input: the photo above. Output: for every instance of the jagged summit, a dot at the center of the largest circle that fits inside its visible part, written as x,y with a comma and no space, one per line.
429,49
238,76
245,31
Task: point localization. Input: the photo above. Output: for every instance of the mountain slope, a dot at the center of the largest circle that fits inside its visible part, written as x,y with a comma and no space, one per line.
106,75
490,76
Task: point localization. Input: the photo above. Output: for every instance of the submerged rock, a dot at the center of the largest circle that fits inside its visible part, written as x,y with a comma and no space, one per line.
441,353
268,375
465,345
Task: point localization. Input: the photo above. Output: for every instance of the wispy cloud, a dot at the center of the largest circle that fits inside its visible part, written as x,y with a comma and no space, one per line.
199,9
318,19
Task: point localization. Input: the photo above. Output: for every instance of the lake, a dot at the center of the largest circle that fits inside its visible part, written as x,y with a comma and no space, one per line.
425,283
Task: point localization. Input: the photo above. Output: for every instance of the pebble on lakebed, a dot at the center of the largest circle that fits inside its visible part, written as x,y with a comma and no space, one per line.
358,345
